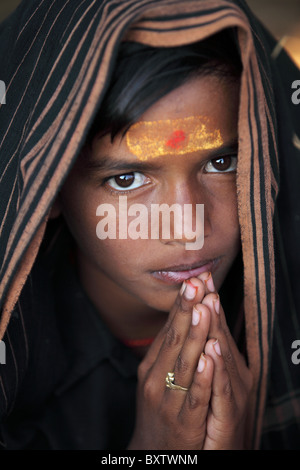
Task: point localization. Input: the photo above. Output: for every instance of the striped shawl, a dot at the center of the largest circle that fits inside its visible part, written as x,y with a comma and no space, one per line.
57,57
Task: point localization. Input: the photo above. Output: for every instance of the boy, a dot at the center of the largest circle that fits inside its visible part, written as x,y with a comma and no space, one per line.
173,127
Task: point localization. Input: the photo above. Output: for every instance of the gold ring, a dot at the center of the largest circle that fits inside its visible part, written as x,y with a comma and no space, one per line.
170,383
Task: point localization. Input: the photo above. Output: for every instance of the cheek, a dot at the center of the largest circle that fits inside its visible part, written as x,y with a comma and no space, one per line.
228,223
123,254
227,229
80,213
221,206
222,221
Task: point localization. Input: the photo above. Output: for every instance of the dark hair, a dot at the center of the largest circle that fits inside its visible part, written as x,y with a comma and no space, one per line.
144,74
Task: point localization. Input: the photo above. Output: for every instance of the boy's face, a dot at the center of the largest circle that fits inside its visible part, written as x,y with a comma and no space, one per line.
186,155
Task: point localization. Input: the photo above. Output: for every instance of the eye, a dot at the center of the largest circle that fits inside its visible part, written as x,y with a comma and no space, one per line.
127,181
222,164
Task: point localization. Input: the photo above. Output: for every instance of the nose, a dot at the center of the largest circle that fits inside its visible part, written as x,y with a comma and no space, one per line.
184,217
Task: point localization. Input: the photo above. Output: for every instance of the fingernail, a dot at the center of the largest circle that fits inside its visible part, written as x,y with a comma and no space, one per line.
217,305
190,291
183,287
210,283
201,363
195,316
217,347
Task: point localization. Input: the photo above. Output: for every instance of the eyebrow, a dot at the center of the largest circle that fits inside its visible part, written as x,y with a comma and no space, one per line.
227,148
106,163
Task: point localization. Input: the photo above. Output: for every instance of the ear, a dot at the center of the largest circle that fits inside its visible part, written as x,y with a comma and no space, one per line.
55,210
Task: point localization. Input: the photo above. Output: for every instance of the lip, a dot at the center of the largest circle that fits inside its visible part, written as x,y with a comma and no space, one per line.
178,274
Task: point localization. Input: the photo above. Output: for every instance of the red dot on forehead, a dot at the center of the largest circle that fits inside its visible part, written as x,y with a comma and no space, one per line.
176,140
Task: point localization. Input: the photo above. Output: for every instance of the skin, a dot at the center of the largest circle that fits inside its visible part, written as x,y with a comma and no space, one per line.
212,413
176,136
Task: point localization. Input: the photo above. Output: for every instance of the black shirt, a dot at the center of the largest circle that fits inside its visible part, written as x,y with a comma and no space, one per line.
92,404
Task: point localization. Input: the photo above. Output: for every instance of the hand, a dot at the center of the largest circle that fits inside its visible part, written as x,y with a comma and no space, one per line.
175,419
206,415
231,384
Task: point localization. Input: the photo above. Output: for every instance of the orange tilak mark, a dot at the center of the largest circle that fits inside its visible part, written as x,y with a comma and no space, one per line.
176,140
151,139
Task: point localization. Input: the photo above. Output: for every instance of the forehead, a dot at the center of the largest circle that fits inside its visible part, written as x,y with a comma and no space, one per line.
150,139
197,116
200,115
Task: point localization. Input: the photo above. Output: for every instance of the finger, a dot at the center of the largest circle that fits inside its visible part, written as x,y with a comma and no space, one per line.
239,358
240,376
223,404
215,302
192,291
208,281
220,330
188,358
175,332
197,400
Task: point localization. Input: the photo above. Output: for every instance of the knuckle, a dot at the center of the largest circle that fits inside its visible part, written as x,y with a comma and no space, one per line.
185,307
227,390
173,337
228,357
182,365
193,334
149,390
193,401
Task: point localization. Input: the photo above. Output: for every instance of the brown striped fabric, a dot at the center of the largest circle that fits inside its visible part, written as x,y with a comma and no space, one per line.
59,56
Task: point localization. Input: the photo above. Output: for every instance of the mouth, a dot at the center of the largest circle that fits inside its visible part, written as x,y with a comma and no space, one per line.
178,274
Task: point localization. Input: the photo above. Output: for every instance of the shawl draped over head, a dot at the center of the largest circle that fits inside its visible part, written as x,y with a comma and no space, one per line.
57,57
